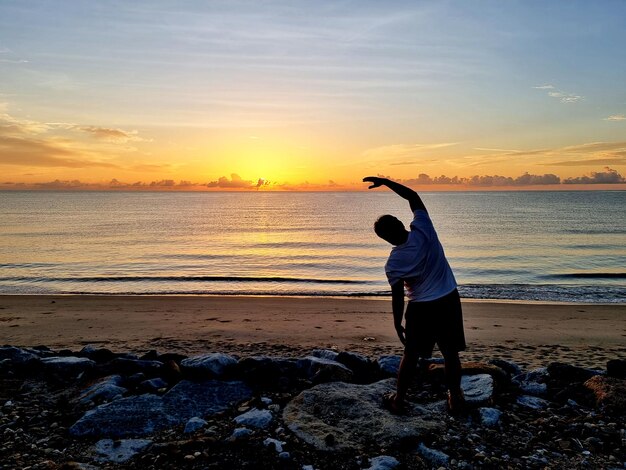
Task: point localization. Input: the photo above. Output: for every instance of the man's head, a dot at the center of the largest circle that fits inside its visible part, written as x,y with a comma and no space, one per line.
390,229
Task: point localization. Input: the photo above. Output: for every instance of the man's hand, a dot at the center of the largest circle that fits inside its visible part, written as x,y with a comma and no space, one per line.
401,334
375,180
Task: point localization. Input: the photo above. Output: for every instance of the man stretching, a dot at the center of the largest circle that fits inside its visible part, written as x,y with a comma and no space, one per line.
433,314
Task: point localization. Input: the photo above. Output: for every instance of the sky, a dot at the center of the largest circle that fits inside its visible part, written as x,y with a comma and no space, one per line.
311,95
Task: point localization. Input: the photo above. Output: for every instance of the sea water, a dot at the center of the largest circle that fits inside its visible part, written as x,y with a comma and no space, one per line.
546,246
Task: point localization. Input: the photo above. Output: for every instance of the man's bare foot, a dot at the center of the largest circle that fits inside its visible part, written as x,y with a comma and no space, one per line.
393,405
456,402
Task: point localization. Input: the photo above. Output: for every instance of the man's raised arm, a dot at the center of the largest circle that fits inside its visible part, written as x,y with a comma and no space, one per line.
407,193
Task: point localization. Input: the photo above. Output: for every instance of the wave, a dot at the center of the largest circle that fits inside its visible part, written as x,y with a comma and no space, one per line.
97,279
587,276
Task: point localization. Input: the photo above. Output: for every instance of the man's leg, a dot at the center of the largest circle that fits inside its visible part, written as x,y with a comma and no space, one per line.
406,373
452,372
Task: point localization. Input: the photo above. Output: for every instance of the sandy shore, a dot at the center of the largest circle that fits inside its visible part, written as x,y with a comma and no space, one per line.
531,334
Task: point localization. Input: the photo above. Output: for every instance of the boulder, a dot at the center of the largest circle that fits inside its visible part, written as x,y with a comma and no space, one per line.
509,367
339,415
389,365
478,389
17,355
383,462
153,385
320,370
561,373
325,354
144,414
120,451
533,382
67,365
105,390
100,355
530,401
489,417
255,418
616,368
194,424
208,366
434,457
129,366
266,372
609,393
364,370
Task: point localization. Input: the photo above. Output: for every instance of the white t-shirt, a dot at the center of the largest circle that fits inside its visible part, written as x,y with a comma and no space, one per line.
421,263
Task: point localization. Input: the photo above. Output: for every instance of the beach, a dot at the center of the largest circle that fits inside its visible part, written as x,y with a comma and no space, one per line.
530,334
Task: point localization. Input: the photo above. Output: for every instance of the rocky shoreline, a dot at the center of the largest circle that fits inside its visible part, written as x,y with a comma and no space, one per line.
98,409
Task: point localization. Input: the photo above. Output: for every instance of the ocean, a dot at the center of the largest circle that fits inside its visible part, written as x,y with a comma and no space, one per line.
545,246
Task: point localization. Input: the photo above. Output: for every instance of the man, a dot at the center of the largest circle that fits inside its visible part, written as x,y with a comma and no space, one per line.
433,314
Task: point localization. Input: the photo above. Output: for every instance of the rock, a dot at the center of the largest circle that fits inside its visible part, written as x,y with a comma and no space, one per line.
278,445
153,385
383,462
500,377
339,415
529,401
170,371
106,389
100,355
17,356
128,366
266,372
566,373
144,414
68,365
362,367
284,456
433,456
320,370
609,393
325,354
478,389
194,424
212,365
255,418
616,368
389,365
509,367
120,451
241,433
489,417
533,382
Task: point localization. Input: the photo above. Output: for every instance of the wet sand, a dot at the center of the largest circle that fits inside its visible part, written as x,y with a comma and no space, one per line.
531,334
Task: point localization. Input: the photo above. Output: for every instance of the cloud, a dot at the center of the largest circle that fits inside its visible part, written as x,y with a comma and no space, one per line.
608,176
111,135
562,96
484,180
618,160
616,117
235,182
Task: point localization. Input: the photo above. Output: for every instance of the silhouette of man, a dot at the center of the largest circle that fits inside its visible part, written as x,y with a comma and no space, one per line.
433,314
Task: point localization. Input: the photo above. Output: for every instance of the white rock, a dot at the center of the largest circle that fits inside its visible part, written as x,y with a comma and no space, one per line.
383,462
477,388
255,418
278,445
120,451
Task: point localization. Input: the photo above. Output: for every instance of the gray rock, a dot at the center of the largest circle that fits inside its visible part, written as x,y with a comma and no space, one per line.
284,456
325,354
320,370
509,367
389,365
211,365
348,416
107,389
477,388
194,424
120,451
433,456
489,417
533,402
383,462
144,414
153,385
128,366
267,372
278,445
69,365
255,418
241,433
533,382
361,366
17,355
190,399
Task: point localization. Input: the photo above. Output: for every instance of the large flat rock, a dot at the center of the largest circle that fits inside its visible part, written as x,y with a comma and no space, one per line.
339,415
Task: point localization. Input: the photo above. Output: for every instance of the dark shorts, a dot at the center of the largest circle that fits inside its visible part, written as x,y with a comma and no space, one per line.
438,321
